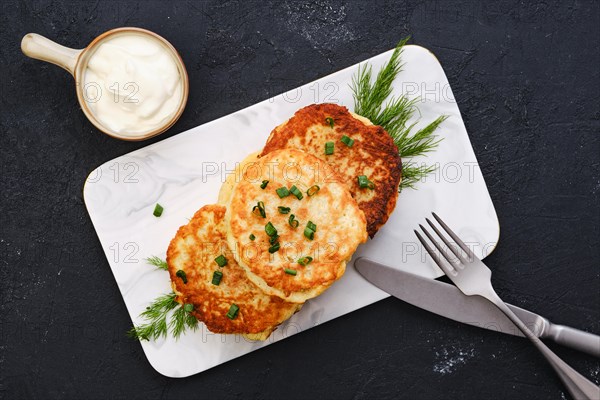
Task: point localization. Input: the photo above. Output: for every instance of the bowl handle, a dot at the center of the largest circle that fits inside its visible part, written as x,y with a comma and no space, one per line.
41,48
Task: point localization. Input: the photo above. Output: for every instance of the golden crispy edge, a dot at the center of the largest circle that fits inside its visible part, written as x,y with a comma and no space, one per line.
259,336
264,335
391,204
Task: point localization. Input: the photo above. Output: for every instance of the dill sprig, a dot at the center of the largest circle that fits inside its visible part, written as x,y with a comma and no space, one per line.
157,262
182,320
369,96
412,173
158,313
393,116
421,142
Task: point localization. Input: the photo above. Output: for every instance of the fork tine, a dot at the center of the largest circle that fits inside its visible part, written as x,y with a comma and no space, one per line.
455,264
454,237
446,242
446,267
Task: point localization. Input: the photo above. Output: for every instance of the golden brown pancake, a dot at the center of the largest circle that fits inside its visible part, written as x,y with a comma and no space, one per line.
193,250
340,225
373,154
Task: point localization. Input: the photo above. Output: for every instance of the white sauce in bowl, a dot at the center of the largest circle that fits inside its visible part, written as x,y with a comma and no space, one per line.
132,84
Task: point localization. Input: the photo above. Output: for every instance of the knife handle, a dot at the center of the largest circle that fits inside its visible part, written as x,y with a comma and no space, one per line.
575,339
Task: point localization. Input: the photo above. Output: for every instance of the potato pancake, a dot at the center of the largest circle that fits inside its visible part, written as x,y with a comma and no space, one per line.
195,250
368,151
293,225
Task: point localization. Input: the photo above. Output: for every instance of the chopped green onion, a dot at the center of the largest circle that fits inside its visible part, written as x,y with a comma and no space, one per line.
282,192
217,276
312,226
290,271
314,189
264,184
304,261
347,141
233,311
294,190
221,261
293,221
283,210
274,248
270,229
181,274
274,239
252,237
309,233
329,148
158,210
259,210
365,183
188,307
330,121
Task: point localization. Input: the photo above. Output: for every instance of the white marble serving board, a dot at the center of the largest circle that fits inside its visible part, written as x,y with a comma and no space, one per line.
185,172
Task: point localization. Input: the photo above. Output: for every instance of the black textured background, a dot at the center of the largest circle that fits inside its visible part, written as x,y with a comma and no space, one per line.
527,82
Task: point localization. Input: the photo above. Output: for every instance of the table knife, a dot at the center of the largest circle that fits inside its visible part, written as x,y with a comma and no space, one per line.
446,300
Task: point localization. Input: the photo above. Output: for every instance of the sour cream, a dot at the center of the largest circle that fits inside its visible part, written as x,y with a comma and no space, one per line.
132,84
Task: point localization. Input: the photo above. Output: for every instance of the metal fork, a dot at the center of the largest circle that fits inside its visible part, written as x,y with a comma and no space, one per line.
473,278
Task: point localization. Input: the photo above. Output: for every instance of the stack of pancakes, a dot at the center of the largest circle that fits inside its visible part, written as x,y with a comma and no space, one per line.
287,222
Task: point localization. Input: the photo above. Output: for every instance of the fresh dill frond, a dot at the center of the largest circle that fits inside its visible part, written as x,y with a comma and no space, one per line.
157,262
182,320
157,315
177,323
396,114
393,116
411,174
191,322
421,142
369,97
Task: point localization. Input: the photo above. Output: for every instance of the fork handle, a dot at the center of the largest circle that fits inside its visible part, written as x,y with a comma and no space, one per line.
578,386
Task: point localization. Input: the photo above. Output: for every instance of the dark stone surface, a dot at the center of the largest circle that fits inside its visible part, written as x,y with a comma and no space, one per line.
526,79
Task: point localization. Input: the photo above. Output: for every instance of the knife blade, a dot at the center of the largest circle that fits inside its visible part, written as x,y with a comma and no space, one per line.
448,301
